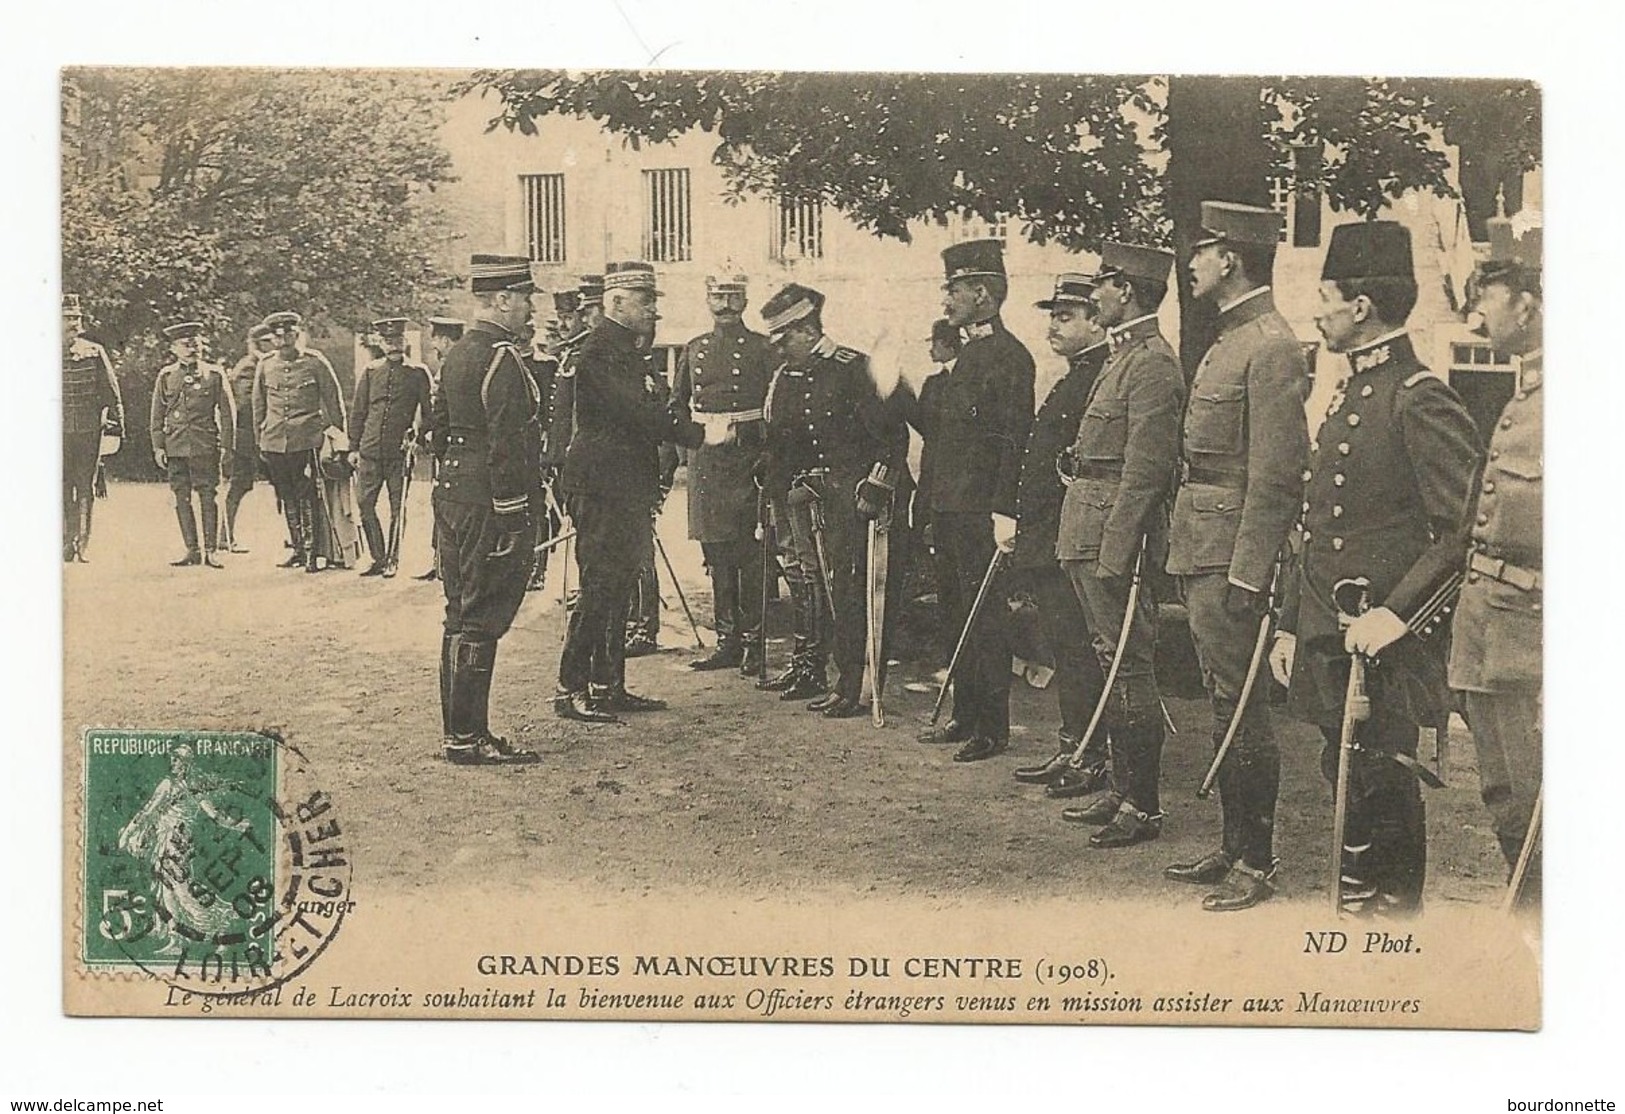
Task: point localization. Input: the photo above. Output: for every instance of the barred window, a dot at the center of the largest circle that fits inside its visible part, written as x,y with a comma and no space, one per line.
969,226
799,231
668,228
1281,202
544,216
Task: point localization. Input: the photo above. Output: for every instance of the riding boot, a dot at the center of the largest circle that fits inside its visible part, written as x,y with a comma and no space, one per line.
373,530
298,542
188,522
307,530
211,523
448,654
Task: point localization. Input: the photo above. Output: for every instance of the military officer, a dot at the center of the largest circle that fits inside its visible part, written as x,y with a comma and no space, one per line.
297,402
1113,527
245,458
839,452
721,382
443,333
1245,444
1075,336
192,420
561,408
1495,651
486,431
974,421
611,480
1387,498
542,352
91,406
389,410
643,609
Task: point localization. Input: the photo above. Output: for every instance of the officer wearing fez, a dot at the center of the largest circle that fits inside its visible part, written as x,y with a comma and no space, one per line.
837,453
1387,498
721,383
391,403
297,403
1245,442
1075,335
91,406
486,432
1495,652
611,479
974,420
192,421
1113,530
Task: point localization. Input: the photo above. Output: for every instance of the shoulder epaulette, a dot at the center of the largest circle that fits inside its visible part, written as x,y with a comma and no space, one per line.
846,355
1417,377
81,348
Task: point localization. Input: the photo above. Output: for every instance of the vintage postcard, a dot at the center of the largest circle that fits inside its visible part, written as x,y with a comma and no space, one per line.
694,545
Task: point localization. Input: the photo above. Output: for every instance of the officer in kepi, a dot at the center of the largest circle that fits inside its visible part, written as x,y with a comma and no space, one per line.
1245,443
1495,650
389,410
91,406
486,432
721,383
193,420
1386,507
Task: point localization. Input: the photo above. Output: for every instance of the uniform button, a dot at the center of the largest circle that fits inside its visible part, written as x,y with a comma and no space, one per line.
1354,419
1306,536
1489,487
1337,511
1483,520
1495,454
1365,391
1506,423
1339,480
1337,543
1306,506
1535,606
1343,447
1472,578
1521,395
1308,474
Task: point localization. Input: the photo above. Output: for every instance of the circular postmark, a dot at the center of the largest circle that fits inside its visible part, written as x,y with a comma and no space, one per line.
223,864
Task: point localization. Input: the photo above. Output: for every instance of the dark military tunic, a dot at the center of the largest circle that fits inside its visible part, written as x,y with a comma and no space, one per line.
389,397
1039,492
559,406
724,375
88,388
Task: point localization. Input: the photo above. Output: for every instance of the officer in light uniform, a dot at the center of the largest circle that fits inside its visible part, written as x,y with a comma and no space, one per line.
91,406
1387,497
1245,444
1121,468
721,383
1495,650
390,408
192,421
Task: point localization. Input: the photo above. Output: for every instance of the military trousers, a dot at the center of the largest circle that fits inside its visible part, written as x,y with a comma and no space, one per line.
293,476
612,534
1133,708
1507,736
199,475
1385,845
1078,681
80,454
981,683
1250,779
372,477
735,568
841,614
483,592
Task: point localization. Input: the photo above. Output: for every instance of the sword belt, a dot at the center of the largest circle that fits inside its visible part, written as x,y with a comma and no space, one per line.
1525,580
1215,477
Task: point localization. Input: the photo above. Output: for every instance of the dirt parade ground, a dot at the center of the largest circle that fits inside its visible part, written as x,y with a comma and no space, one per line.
729,789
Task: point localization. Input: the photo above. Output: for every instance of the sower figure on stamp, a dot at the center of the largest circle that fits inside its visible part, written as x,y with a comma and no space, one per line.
390,408
1245,444
836,449
974,420
1075,335
443,333
611,478
192,421
1495,652
486,430
1113,530
721,383
297,404
91,406
1387,499
245,456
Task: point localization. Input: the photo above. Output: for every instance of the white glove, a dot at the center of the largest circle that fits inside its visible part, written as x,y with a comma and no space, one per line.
1004,532
716,433
1282,654
1374,631
162,458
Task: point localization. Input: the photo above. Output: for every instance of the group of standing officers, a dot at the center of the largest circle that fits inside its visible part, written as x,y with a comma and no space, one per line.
1332,554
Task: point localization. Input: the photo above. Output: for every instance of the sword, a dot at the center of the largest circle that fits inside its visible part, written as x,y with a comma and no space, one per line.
815,510
1520,870
1117,657
964,635
397,525
763,525
699,643
1253,664
878,571
1356,710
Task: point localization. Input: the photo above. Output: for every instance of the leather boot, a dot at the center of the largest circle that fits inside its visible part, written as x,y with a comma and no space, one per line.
728,654
377,548
473,744
188,523
813,680
296,536
751,661
307,531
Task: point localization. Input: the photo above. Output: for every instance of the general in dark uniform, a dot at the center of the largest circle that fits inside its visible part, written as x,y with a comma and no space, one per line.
244,462
389,408
974,420
486,430
297,403
91,406
1074,335
839,452
1245,444
721,383
192,421
1121,470
1495,651
1387,498
611,480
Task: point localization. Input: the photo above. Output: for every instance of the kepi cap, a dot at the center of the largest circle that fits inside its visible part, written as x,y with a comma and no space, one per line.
792,303
1071,289
1132,261
973,259
590,290
566,301
446,327
1369,249
389,326
1234,223
630,275
489,274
